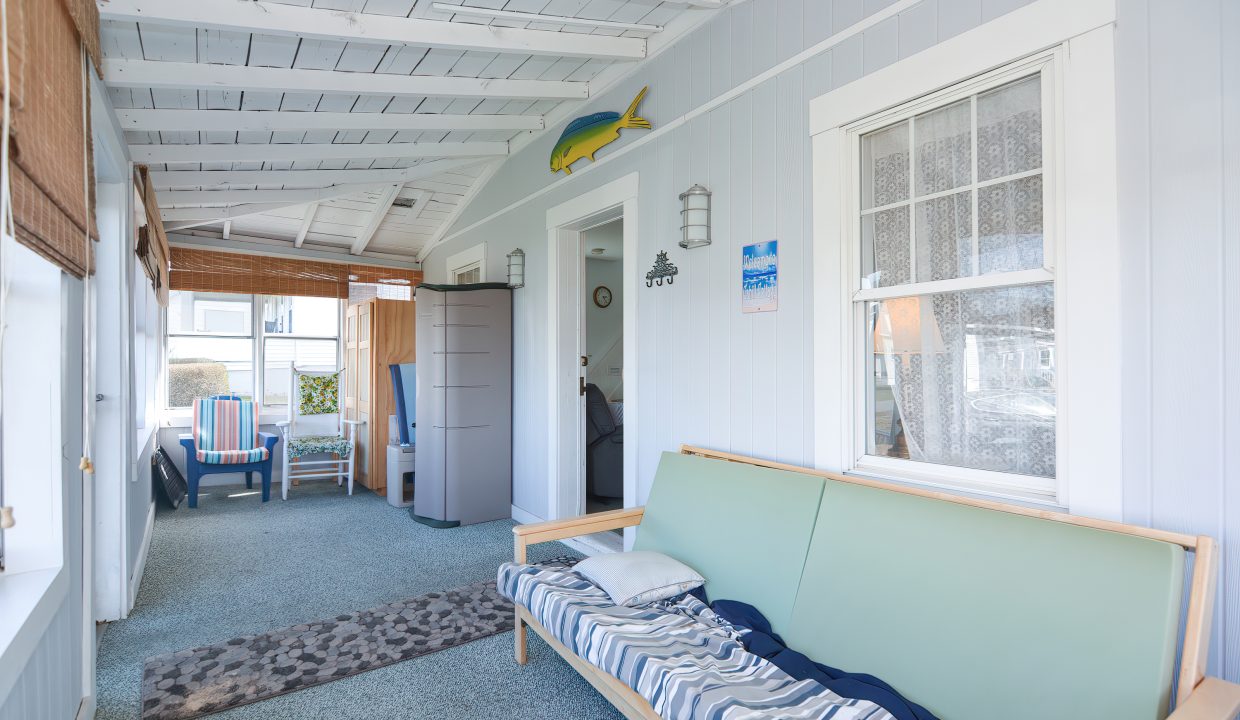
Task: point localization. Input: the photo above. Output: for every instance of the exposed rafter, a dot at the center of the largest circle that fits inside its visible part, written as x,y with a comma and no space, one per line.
313,178
271,18
183,198
189,217
227,229
382,205
539,17
224,152
181,75
273,247
259,121
306,221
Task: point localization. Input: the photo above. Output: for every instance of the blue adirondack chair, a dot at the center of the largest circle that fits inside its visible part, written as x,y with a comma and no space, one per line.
226,439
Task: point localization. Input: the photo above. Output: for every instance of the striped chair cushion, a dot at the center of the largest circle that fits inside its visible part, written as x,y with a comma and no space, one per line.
226,432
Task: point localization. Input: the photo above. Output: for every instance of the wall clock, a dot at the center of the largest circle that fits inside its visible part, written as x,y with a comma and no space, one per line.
602,296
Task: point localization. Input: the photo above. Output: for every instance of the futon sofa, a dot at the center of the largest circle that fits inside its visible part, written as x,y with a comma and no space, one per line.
976,610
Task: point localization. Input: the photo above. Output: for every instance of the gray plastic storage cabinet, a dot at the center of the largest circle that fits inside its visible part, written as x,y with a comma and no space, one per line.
464,404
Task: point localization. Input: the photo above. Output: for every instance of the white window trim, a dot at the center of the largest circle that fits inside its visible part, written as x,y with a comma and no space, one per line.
1078,35
466,260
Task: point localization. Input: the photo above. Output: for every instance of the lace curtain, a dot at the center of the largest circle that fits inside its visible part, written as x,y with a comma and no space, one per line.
964,378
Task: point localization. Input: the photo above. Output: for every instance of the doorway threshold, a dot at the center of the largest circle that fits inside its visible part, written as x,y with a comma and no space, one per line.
597,544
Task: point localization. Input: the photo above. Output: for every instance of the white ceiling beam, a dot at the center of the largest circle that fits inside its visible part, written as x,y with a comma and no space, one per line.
273,247
382,206
211,215
538,17
271,18
259,121
183,198
242,152
182,75
319,178
306,221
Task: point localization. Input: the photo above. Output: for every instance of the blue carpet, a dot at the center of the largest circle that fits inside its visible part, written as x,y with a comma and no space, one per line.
237,567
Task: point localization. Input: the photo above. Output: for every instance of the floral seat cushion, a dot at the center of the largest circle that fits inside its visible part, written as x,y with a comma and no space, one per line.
311,444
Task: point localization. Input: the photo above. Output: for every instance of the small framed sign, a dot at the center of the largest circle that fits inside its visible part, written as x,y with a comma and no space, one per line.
760,277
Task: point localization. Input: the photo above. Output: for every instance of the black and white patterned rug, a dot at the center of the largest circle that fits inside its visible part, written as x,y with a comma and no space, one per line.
209,679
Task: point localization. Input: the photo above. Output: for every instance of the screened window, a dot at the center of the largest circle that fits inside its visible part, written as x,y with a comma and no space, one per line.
954,295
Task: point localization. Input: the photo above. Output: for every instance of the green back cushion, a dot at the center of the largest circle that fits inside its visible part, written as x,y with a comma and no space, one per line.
746,529
978,614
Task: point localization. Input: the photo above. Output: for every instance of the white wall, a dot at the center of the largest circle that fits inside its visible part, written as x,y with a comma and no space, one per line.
744,383
1179,136
51,683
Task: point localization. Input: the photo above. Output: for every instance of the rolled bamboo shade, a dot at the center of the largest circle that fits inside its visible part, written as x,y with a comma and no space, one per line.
213,271
152,243
52,166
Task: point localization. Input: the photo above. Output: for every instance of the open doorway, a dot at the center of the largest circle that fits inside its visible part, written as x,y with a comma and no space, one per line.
603,360
604,218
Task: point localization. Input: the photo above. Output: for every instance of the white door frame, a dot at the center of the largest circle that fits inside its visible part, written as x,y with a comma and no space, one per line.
565,262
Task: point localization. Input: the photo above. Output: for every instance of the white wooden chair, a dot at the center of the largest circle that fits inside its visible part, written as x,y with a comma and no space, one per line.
324,431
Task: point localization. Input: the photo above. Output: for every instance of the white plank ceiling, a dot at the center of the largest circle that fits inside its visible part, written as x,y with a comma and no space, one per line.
349,126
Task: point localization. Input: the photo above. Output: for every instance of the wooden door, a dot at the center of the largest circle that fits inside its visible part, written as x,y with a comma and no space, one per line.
392,325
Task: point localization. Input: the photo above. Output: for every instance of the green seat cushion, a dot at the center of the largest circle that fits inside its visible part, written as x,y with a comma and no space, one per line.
979,614
746,529
312,444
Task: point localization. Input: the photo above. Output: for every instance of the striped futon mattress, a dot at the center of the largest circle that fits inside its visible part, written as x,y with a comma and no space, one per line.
680,656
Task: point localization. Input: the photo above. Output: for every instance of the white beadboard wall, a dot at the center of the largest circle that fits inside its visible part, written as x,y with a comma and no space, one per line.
50,686
1178,101
744,383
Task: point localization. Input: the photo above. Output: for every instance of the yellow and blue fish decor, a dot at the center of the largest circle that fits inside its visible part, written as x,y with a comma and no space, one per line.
588,134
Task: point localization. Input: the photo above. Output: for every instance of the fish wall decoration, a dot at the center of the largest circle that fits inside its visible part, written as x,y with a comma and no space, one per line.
588,134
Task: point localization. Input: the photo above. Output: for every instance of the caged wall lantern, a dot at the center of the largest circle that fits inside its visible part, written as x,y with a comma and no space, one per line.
516,268
695,217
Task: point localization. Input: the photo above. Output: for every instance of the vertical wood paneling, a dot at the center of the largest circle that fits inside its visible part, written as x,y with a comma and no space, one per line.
881,45
791,372
1178,202
1228,30
722,281
766,348
956,16
740,388
47,686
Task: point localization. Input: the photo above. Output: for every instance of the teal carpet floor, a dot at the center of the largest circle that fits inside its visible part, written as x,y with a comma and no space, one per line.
235,566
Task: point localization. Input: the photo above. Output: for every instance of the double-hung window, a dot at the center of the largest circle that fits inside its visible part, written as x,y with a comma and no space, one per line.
217,340
952,284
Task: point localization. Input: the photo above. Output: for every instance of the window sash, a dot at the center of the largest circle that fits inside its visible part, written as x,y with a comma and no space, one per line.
1028,488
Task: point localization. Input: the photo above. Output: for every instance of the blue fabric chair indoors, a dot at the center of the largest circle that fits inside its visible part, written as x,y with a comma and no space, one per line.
225,439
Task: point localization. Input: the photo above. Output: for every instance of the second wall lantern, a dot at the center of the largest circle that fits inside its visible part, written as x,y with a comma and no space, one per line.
695,217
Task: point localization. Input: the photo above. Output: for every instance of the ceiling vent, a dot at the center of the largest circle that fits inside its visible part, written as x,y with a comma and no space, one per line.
402,202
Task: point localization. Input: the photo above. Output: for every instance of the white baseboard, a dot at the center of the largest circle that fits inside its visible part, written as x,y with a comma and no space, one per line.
524,517
135,581
86,710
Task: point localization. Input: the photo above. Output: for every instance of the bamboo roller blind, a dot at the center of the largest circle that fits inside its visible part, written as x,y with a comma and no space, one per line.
52,166
212,271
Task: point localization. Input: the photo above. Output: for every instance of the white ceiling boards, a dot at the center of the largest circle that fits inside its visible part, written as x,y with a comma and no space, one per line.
357,128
